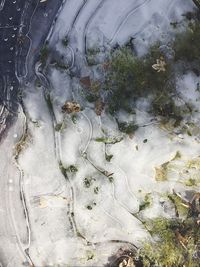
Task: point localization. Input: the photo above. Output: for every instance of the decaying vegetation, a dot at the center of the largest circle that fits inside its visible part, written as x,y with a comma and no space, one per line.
70,107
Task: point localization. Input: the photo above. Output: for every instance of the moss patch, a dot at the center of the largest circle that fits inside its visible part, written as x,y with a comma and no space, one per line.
177,244
130,77
186,44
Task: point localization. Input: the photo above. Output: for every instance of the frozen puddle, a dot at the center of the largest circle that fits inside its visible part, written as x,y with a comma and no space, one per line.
85,182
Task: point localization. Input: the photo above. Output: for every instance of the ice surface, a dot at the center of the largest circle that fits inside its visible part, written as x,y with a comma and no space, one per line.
72,224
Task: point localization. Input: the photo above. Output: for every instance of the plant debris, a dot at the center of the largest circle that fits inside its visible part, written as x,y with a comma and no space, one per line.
70,107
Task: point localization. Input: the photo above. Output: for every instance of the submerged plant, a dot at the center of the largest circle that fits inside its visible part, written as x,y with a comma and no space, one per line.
146,203
186,44
109,140
72,169
44,53
65,41
129,77
128,128
88,181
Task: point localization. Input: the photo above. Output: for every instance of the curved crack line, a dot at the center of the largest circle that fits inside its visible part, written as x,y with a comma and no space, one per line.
22,191
88,24
83,154
58,154
90,135
76,17
117,241
73,57
71,206
103,172
27,35
5,99
73,22
117,167
140,31
2,4
84,48
54,21
112,217
126,17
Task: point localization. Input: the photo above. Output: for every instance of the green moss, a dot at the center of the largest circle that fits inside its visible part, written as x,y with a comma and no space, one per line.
91,97
44,53
107,140
62,169
191,182
96,190
74,118
193,163
176,156
111,179
108,157
161,172
93,51
91,60
164,106
128,128
88,181
49,102
90,255
174,24
180,207
176,243
186,44
38,83
58,127
60,65
130,77
89,207
65,41
197,3
72,169
146,202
